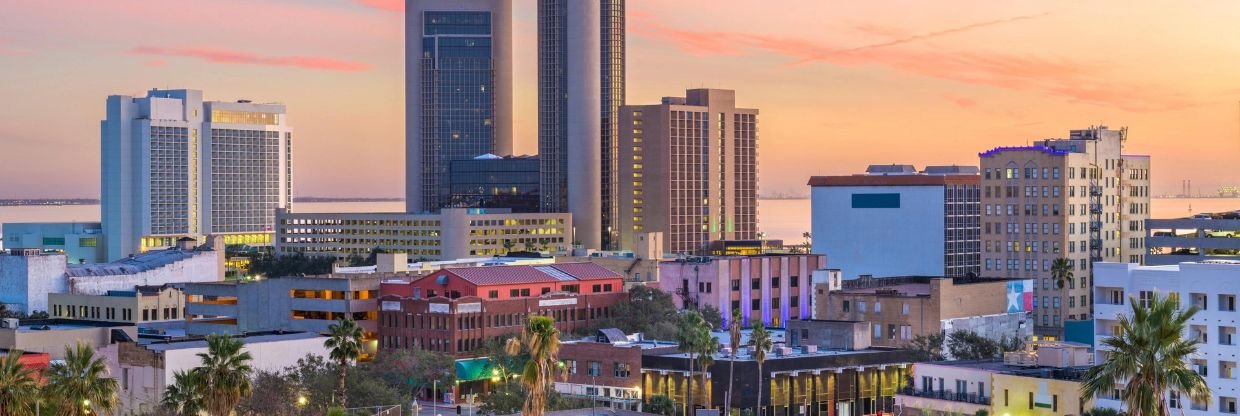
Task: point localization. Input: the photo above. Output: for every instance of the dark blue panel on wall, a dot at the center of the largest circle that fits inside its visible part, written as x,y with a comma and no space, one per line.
875,200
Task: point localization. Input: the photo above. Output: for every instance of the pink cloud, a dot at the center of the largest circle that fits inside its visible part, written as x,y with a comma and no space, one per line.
223,56
962,102
1072,80
389,5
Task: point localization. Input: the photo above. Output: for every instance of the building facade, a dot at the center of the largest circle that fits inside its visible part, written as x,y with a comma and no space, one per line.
141,305
458,91
612,70
490,181
570,112
899,223
456,310
81,242
606,368
771,289
177,166
1200,238
450,234
689,170
1061,199
1211,286
51,336
309,304
898,309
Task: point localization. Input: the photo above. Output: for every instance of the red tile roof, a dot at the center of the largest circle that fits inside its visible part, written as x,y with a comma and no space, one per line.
508,275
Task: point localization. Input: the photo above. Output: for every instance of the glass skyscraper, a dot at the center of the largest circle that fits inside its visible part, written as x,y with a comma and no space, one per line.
458,91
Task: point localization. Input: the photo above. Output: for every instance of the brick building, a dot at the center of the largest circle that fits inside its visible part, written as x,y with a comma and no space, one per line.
606,367
455,310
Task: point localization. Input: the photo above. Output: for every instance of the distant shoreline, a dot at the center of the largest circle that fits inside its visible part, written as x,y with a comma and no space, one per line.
330,199
47,202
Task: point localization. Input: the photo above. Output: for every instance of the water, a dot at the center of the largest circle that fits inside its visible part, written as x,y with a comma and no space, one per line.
780,219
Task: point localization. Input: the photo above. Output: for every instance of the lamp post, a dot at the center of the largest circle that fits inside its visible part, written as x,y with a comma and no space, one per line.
593,385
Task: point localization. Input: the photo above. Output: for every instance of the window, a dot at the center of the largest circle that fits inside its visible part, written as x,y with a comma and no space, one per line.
756,284
1227,303
861,306
1144,298
793,281
774,282
572,366
594,369
494,294
904,309
756,305
878,331
845,306
622,370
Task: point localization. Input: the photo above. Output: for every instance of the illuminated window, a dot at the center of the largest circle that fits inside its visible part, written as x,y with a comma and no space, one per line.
244,117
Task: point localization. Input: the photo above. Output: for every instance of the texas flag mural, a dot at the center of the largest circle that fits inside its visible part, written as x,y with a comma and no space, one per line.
1020,296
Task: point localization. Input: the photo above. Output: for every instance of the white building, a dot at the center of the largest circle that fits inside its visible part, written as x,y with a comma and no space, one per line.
894,221
1212,286
174,165
146,369
80,241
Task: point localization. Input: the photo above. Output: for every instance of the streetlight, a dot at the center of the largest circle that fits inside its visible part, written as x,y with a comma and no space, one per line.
302,400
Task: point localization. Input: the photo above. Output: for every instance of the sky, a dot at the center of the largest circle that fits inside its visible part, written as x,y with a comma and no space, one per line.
839,84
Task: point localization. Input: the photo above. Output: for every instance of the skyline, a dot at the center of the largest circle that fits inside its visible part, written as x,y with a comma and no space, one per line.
959,75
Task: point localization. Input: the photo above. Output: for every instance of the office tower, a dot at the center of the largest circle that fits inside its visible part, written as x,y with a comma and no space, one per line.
569,113
176,166
689,170
458,91
1060,199
491,181
612,70
894,221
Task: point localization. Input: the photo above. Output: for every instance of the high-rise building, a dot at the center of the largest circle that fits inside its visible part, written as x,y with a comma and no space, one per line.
176,166
569,113
458,91
612,70
1061,199
689,170
491,181
894,221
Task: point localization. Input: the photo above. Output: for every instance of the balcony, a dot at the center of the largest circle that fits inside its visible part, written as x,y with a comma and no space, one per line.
1095,208
1095,225
1095,190
948,395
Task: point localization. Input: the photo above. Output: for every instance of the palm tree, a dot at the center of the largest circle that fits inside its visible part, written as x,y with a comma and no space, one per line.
706,358
689,339
808,238
1150,353
183,397
542,341
1061,271
345,343
81,383
18,388
224,376
761,340
734,342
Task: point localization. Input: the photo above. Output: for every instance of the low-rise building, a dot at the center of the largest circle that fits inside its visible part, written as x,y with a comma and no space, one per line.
455,310
52,336
806,380
1043,380
639,266
36,361
771,289
81,242
309,303
901,308
452,233
606,368
1198,238
145,369
141,305
1211,286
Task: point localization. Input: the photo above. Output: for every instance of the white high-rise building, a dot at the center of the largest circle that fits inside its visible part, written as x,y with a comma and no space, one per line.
175,166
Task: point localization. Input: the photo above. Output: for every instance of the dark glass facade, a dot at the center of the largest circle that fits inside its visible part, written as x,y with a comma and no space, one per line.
458,83
495,183
612,68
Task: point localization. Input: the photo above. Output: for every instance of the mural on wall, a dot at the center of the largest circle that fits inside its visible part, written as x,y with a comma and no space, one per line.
1020,296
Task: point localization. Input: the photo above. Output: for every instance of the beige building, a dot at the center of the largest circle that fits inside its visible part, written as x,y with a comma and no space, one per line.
143,304
899,309
689,169
453,233
51,336
1078,199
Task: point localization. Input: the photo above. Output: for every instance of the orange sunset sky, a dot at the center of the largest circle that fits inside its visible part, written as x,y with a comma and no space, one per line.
840,84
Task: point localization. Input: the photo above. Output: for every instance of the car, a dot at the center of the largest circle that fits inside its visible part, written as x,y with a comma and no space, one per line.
1203,217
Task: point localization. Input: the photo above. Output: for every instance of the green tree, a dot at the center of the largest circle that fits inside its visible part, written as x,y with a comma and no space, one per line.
1061,272
706,358
541,341
18,388
223,375
761,340
734,343
417,369
968,345
927,347
1150,354
274,394
184,396
644,310
81,384
344,342
271,265
807,246
690,339
1103,411
661,405
712,316
508,245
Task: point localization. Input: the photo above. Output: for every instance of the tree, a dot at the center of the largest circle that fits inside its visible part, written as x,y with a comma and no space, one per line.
734,343
706,358
690,339
1061,272
712,316
927,347
806,247
418,369
968,345
508,245
761,340
1150,354
18,388
1103,411
290,265
81,384
223,376
643,311
274,394
345,342
183,397
661,405
542,341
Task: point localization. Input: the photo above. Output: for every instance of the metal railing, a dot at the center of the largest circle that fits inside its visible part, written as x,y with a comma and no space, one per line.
947,395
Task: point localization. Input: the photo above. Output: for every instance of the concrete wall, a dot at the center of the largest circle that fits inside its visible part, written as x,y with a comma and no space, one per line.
848,335
25,281
902,241
994,327
203,266
54,341
267,305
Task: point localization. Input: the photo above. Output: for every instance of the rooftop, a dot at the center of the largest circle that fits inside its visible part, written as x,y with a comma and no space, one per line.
507,275
133,265
895,180
55,324
255,338
997,366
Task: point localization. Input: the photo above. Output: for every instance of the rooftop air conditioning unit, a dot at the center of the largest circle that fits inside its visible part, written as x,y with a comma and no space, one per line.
9,323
